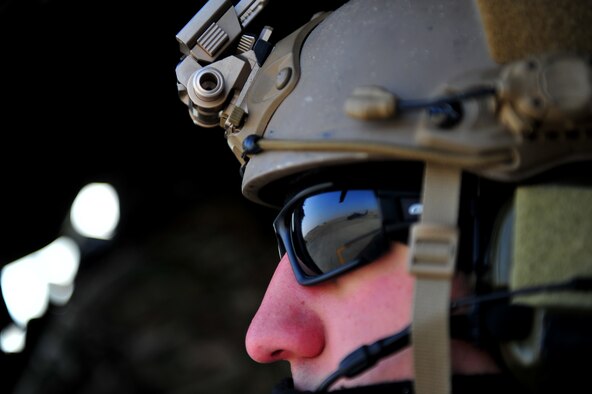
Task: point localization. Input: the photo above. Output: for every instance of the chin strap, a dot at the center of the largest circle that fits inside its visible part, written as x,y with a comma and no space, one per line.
432,260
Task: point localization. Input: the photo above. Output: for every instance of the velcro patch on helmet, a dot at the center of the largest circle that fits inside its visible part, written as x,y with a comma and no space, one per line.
517,29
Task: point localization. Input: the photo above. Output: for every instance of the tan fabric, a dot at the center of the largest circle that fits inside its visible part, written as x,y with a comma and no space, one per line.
518,28
432,259
552,241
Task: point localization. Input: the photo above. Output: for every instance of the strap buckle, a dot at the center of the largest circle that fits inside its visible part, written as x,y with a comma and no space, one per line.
433,250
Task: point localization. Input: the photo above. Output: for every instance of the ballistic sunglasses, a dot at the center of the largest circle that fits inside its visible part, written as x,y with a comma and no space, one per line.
327,230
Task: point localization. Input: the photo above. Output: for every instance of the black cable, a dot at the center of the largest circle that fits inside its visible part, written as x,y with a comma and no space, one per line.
452,98
366,356
574,284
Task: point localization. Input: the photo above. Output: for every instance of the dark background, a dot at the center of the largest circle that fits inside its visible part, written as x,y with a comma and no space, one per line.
88,94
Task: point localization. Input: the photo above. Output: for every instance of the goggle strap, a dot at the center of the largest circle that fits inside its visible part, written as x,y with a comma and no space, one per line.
432,259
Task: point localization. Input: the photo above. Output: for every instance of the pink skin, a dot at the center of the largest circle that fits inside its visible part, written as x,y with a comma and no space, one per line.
314,327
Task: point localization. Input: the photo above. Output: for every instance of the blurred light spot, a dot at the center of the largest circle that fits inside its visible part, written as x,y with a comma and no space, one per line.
60,294
25,291
29,283
12,339
95,211
60,260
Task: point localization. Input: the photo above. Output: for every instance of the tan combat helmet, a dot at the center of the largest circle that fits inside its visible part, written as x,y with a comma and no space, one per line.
497,88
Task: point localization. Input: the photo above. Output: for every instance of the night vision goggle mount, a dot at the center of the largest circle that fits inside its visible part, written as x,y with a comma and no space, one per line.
220,63
211,87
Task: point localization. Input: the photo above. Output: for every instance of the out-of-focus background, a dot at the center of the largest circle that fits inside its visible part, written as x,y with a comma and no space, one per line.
130,262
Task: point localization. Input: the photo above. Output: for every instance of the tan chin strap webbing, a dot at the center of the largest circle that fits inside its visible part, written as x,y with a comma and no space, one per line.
432,259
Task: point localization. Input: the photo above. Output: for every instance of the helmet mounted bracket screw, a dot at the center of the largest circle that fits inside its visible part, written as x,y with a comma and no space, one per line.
251,146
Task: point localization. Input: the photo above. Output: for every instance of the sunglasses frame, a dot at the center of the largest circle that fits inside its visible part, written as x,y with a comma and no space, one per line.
283,232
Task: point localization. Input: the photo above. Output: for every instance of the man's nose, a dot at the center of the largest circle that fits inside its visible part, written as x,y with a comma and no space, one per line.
285,325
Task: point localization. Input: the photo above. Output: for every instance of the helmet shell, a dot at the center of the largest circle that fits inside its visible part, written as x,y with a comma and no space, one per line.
407,47
415,50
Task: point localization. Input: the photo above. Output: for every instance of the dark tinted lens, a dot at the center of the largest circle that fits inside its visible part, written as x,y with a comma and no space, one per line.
335,228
